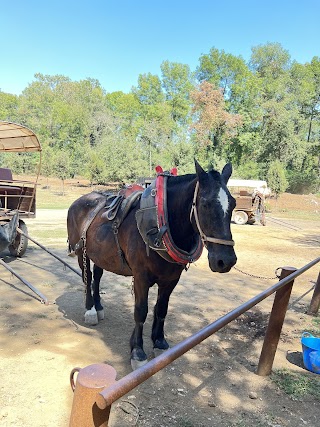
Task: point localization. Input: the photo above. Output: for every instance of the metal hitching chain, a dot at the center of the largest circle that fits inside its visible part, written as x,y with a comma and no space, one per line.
259,277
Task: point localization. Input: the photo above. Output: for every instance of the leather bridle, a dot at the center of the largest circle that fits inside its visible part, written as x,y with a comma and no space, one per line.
205,239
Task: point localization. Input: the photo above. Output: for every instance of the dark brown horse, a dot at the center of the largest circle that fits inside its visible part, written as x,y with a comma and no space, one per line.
197,209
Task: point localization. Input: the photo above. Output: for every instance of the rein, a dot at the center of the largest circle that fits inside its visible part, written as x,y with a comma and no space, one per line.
205,238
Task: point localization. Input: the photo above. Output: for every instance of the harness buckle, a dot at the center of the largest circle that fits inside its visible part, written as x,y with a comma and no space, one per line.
157,243
115,227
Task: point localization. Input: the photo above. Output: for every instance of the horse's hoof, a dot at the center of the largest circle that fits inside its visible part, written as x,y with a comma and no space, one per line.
138,358
91,317
135,364
158,351
160,344
100,314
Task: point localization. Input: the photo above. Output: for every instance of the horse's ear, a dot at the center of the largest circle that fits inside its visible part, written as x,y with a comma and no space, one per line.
200,172
226,172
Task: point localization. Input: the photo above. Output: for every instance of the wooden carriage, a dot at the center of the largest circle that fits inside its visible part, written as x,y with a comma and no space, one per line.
17,197
250,197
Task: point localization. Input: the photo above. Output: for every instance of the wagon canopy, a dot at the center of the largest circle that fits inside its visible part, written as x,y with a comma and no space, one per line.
17,138
259,185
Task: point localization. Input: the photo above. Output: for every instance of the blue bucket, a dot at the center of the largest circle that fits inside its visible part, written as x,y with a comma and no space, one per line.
311,352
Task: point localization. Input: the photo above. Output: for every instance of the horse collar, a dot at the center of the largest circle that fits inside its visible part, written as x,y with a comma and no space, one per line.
153,224
180,256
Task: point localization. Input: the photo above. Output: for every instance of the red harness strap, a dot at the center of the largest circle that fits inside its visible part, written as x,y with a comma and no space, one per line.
174,252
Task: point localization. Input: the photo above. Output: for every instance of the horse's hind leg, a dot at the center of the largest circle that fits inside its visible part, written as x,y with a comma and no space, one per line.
160,312
97,274
90,316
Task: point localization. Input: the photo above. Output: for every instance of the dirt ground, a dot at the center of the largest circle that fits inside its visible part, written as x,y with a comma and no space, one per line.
214,384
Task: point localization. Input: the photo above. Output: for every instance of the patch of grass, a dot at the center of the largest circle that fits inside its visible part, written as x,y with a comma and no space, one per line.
295,214
53,199
5,306
49,284
55,233
41,316
296,385
182,422
126,285
240,423
315,329
256,420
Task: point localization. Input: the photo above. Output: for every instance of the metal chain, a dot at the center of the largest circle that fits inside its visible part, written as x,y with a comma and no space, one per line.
84,260
258,277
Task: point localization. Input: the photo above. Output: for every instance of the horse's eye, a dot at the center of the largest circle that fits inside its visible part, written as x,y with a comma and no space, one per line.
204,202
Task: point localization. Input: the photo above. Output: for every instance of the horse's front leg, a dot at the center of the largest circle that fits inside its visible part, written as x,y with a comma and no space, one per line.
160,312
97,274
141,291
90,316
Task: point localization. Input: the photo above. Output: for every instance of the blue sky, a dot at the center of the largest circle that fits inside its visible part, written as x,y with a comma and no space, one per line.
116,40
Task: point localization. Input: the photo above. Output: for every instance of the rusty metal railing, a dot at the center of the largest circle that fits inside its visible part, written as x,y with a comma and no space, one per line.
116,389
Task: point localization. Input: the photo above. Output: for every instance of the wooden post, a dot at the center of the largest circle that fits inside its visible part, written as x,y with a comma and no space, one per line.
278,313
315,300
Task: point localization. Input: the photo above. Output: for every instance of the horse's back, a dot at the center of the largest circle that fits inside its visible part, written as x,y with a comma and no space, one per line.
79,212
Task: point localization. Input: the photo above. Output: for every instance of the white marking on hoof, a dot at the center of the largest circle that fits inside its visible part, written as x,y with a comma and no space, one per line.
100,314
91,317
158,351
135,364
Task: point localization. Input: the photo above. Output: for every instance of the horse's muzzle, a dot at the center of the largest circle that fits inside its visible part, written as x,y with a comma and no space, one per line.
222,262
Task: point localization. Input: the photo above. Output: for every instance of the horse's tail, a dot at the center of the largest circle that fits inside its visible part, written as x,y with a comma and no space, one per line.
70,250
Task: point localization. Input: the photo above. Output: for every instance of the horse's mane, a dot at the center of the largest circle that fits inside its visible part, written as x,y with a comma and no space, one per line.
105,193
181,179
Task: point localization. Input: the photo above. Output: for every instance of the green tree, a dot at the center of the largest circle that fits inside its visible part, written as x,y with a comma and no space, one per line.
270,60
154,124
306,90
281,126
124,159
180,154
222,70
47,163
36,105
8,107
149,90
276,176
96,168
247,170
123,113
62,167
177,82
240,88
280,133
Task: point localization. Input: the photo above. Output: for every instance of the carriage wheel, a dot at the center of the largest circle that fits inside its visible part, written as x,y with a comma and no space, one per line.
20,243
251,220
240,217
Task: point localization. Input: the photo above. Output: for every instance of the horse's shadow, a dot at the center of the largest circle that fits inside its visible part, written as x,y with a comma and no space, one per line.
115,330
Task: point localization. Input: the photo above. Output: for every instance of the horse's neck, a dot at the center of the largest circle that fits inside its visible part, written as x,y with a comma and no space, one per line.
179,201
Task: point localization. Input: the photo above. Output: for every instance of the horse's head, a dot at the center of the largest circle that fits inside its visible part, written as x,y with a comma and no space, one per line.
213,209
